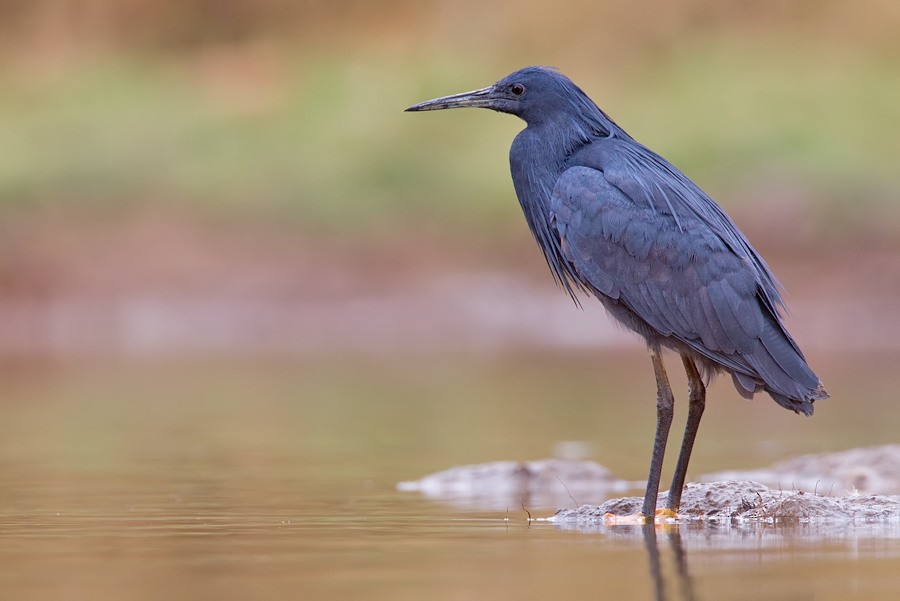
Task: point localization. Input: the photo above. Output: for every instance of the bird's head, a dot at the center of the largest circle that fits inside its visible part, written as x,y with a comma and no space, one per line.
535,94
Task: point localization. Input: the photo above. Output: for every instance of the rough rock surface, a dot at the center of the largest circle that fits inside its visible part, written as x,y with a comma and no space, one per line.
505,484
869,470
750,501
844,486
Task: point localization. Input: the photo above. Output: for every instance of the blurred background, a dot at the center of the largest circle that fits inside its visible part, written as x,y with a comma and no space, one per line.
238,176
237,280
206,200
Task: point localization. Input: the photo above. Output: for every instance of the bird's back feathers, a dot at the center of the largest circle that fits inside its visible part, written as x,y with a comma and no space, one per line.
634,230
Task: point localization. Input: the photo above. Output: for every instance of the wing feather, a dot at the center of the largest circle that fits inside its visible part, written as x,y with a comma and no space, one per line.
678,281
679,278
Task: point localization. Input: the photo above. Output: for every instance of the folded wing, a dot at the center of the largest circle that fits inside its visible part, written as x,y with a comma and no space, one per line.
677,275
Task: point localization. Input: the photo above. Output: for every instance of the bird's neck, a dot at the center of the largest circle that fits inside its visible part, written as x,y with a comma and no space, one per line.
536,161
535,166
554,139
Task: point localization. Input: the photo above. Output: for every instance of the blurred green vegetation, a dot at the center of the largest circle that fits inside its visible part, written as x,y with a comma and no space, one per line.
239,120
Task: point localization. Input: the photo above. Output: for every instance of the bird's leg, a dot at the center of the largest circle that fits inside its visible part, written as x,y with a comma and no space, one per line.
697,400
665,407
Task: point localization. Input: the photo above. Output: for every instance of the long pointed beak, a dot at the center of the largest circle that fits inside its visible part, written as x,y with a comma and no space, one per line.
482,98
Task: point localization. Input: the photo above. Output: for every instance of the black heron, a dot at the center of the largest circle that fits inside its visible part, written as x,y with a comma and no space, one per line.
616,220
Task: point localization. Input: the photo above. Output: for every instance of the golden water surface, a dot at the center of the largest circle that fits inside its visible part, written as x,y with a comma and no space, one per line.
275,478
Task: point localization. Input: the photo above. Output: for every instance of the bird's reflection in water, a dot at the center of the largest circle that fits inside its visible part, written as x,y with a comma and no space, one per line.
682,580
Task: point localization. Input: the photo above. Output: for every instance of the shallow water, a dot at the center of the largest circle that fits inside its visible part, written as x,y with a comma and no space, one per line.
238,479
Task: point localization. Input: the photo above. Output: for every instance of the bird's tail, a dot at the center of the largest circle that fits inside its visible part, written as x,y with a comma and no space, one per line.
781,370
804,406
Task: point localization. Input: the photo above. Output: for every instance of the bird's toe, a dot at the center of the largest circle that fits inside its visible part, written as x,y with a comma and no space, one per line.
664,514
611,519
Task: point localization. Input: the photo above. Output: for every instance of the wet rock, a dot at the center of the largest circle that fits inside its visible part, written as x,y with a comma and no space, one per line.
839,485
547,483
870,470
749,501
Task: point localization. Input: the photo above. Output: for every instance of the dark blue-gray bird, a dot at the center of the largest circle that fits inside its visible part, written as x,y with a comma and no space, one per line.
616,220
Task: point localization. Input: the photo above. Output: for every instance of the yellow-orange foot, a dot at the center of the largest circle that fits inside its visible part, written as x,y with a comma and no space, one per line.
661,516
664,514
611,519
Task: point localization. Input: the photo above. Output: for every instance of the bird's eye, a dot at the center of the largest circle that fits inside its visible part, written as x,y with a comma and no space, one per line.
518,89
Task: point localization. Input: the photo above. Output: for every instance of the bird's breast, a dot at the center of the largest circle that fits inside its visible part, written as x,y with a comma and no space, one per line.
534,179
